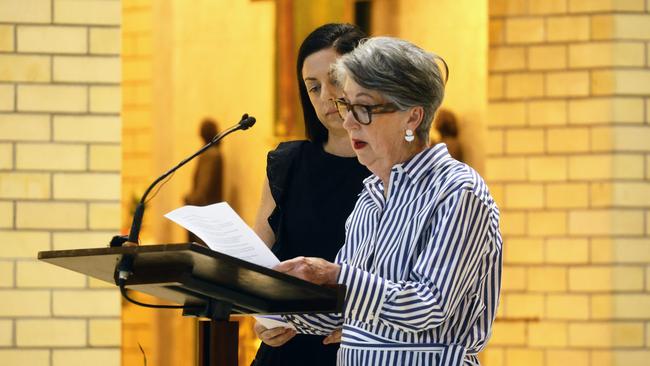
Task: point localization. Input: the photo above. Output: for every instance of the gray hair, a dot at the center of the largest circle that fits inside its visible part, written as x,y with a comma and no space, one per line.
402,72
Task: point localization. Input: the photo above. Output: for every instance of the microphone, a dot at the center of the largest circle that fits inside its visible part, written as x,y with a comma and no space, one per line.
245,123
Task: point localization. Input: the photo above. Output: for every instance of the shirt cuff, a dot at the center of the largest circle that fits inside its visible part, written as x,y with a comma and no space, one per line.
365,294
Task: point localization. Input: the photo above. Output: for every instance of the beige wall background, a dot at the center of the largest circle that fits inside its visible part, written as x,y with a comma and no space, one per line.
59,178
560,89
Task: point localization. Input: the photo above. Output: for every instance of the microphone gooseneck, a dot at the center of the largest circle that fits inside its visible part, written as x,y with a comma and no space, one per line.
245,123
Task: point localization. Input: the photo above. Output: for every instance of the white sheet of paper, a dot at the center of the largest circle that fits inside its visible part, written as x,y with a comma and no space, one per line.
273,321
219,226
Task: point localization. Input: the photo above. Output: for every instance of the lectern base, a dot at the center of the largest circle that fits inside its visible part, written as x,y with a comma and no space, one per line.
218,343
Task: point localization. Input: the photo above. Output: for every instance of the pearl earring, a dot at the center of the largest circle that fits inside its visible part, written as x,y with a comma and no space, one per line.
409,135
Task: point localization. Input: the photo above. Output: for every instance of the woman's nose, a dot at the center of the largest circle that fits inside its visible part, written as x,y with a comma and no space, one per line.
349,122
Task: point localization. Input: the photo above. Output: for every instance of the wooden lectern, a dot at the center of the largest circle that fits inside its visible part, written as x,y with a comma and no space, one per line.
211,285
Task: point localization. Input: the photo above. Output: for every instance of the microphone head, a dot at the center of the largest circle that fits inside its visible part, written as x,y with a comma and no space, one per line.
247,122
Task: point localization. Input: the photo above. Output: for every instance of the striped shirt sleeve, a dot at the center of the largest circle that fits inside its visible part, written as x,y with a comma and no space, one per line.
443,272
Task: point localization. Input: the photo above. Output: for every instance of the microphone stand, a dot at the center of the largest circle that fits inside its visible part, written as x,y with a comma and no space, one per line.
123,270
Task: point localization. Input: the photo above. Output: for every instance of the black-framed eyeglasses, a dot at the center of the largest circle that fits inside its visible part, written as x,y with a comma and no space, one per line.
361,112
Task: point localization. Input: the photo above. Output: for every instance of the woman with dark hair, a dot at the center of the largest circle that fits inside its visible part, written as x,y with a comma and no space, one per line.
311,188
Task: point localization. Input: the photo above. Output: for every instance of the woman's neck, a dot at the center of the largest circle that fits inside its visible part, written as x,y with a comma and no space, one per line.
338,144
383,172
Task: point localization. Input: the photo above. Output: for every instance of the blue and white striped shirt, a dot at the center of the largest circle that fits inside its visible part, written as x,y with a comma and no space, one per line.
422,268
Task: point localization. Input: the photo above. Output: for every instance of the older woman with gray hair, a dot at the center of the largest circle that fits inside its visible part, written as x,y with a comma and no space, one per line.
422,255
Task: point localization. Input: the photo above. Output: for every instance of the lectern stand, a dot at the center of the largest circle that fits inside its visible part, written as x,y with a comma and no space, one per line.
212,285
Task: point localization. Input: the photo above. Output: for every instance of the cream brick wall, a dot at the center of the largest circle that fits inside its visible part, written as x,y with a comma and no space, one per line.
569,108
60,136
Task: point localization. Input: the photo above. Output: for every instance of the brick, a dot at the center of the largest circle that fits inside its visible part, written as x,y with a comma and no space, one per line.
524,141
31,156
507,58
606,222
506,169
87,186
565,84
105,332
24,303
524,85
620,138
105,157
597,6
626,307
90,12
606,54
105,41
7,38
605,335
524,305
24,185
496,87
524,251
50,215
105,215
547,334
22,244
498,193
86,303
6,157
513,223
25,11
505,7
547,169
494,145
620,250
514,278
547,113
6,332
621,26
567,357
87,69
78,240
547,279
543,7
547,57
548,223
49,39
52,98
567,307
524,196
6,274
605,278
525,30
632,194
105,99
6,214
621,82
24,68
82,357
606,111
567,195
567,251
50,332
571,28
497,32
508,334
620,357
7,97
87,128
21,357
24,127
604,166
567,140
522,356
506,114
138,94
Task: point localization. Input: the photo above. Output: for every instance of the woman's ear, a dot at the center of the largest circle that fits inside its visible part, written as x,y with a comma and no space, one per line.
416,115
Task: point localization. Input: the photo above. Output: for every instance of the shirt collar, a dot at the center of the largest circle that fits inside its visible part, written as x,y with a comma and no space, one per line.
419,165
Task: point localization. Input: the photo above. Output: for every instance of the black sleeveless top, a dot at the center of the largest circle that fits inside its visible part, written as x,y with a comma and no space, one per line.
314,192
